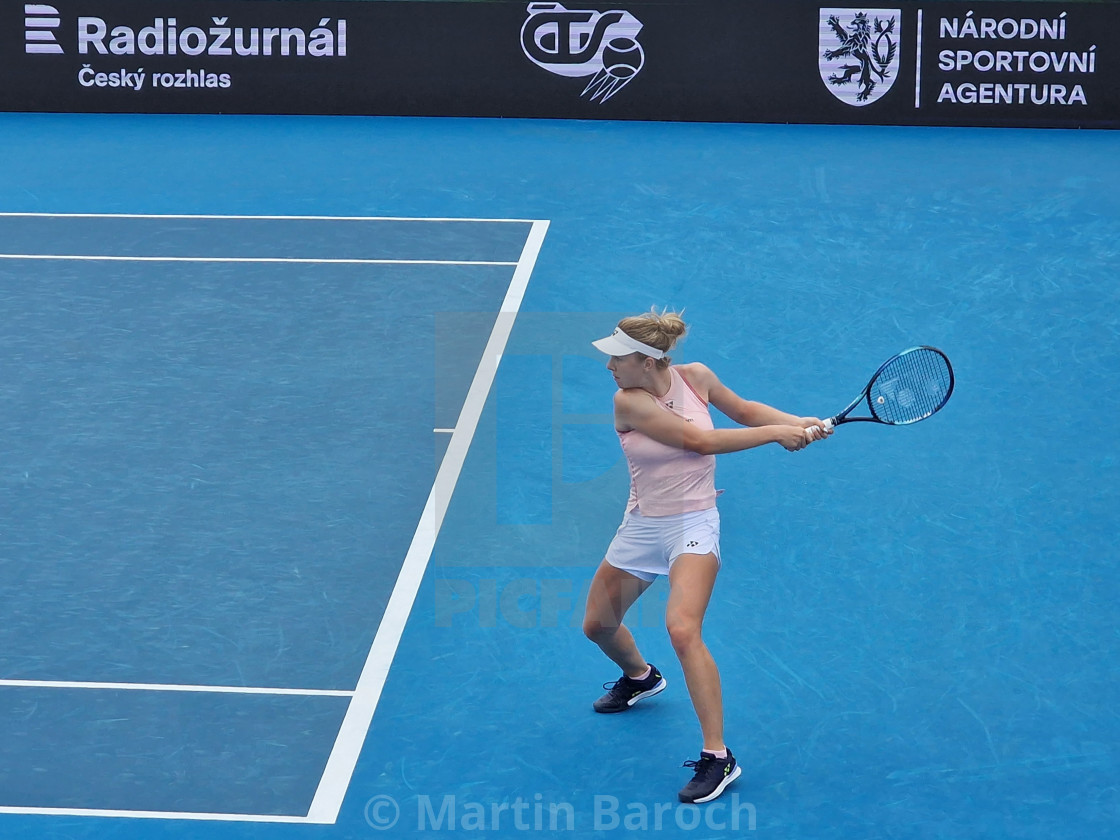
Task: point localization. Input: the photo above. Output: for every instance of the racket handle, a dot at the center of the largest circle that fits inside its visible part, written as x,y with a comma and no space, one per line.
827,427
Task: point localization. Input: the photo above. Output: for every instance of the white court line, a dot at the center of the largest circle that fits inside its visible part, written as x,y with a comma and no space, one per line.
315,260
116,258
10,214
152,815
355,726
344,754
201,689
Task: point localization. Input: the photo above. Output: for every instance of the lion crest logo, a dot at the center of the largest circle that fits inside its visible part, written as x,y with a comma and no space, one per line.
859,53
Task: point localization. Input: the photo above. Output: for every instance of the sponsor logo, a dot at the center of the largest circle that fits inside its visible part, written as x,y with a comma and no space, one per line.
167,37
218,37
578,43
1013,61
859,51
39,23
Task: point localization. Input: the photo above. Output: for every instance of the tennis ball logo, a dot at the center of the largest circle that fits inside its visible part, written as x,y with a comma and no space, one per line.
580,43
623,58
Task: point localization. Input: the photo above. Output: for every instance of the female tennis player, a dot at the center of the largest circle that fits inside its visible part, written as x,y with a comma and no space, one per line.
671,524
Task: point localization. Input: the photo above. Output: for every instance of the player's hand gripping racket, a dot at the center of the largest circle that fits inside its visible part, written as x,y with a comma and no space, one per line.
905,389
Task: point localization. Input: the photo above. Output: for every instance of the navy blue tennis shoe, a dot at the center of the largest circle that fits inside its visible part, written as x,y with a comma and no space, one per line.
625,692
712,777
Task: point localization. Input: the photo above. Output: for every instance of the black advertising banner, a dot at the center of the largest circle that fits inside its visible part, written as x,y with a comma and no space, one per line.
934,63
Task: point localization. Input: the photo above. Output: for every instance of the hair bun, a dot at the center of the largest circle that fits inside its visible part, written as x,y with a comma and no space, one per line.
670,323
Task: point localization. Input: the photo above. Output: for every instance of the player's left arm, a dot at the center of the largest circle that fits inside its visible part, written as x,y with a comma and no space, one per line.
742,411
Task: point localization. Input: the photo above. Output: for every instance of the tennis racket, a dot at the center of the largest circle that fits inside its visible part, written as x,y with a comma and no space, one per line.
906,388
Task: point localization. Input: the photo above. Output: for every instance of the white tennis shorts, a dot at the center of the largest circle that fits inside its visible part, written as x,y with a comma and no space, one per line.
646,546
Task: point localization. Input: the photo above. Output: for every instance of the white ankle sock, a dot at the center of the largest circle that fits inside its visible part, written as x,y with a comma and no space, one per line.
717,753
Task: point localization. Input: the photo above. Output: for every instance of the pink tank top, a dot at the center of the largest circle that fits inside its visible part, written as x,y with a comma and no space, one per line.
665,480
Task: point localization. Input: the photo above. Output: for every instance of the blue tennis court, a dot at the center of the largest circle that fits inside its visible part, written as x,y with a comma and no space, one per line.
308,462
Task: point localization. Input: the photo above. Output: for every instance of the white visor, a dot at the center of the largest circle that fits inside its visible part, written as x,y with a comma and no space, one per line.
619,343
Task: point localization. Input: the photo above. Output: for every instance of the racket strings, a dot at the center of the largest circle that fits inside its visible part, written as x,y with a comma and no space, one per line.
911,387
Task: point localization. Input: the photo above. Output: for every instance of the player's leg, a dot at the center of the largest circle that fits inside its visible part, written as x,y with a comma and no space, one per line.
691,580
613,591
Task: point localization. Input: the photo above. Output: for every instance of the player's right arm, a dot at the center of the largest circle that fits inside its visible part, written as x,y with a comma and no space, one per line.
636,410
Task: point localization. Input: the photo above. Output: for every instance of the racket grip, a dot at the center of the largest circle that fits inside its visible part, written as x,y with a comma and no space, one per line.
827,427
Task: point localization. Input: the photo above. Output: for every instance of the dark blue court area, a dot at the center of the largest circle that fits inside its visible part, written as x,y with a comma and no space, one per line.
306,462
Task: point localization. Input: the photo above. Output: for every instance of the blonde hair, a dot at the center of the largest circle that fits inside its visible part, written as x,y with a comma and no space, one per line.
660,330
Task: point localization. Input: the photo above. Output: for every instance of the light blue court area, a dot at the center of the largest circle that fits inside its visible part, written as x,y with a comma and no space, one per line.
202,524
304,474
